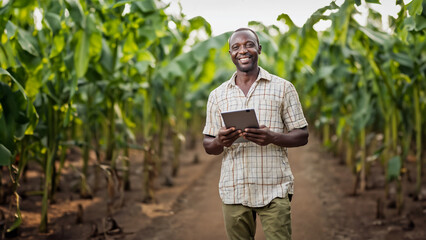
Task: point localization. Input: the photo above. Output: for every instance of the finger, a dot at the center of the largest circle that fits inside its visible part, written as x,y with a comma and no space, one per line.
258,141
228,142
254,131
253,136
228,131
234,133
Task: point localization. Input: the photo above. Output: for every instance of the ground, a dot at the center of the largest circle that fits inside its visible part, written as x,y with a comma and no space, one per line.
322,207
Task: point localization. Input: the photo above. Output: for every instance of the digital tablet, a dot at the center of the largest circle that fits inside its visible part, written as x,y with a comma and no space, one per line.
240,119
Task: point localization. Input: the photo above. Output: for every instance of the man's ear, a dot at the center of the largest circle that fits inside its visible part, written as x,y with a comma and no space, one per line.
260,49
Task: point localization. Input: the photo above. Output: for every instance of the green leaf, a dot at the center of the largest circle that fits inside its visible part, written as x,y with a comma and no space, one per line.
5,72
81,57
145,55
394,168
11,29
95,48
309,44
22,3
144,60
33,119
28,42
122,3
8,116
53,21
107,60
409,23
199,22
146,6
130,46
287,20
5,13
67,116
9,57
420,23
5,156
76,12
403,59
184,62
73,85
21,119
415,7
57,46
32,86
380,38
141,67
372,1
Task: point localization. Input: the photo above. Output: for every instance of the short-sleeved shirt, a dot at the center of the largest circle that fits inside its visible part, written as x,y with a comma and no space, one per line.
254,175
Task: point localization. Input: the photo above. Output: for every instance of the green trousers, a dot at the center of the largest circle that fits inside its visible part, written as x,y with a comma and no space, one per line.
240,221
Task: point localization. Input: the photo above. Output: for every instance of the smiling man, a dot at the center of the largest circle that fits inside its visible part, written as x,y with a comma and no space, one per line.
255,179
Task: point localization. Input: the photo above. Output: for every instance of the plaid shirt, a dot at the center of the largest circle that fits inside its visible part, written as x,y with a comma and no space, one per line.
254,175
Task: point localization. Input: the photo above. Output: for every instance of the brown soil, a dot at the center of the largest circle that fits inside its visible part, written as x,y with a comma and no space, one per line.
322,207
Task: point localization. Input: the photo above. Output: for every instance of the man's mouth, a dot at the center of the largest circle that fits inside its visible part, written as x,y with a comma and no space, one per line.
244,60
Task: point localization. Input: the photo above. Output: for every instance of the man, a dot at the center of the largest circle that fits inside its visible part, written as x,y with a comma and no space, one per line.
255,175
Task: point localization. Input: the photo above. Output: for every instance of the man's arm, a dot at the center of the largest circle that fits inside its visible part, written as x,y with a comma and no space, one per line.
264,136
225,138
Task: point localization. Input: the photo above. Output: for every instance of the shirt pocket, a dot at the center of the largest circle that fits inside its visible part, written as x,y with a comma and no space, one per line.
269,114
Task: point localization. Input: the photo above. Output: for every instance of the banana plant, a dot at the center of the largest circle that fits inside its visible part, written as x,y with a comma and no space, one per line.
410,65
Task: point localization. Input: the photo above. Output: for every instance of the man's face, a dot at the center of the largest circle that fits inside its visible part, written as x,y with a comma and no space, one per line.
244,50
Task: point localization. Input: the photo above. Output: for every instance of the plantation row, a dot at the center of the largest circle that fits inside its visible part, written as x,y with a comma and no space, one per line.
100,76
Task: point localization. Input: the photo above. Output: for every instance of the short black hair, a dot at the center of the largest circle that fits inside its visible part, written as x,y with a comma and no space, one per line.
244,29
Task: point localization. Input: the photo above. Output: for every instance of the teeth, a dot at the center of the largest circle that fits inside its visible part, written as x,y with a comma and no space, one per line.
244,60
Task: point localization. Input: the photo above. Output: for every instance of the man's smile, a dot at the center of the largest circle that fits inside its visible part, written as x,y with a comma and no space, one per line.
245,59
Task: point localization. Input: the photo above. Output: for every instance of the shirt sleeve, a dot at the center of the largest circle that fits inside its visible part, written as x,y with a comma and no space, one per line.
292,112
213,118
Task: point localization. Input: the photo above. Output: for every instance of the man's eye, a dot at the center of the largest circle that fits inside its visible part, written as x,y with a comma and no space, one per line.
250,45
235,48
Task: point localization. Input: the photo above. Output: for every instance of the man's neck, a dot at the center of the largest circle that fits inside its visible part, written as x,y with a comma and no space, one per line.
247,78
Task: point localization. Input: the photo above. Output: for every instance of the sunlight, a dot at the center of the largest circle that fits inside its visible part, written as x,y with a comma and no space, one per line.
38,17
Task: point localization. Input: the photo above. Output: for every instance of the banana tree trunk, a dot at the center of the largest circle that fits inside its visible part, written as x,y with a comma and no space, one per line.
126,163
84,188
418,127
62,158
349,149
96,184
53,143
176,154
51,152
148,174
111,132
160,143
386,152
326,135
363,176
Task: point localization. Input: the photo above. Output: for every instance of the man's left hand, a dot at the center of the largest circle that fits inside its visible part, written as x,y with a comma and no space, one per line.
261,136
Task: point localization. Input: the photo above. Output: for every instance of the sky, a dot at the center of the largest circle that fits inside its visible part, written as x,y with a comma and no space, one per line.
228,15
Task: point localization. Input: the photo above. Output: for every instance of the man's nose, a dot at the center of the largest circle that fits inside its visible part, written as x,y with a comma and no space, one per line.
242,49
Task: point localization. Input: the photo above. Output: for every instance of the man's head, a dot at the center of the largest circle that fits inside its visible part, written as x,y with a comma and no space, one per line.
244,49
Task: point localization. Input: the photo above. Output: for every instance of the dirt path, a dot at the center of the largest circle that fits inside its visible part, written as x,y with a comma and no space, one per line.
322,207
198,212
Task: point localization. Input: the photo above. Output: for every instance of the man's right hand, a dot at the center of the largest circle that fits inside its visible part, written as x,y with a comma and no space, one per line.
227,136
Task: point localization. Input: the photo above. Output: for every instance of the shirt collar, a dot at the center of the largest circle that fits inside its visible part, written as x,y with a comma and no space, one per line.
263,74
